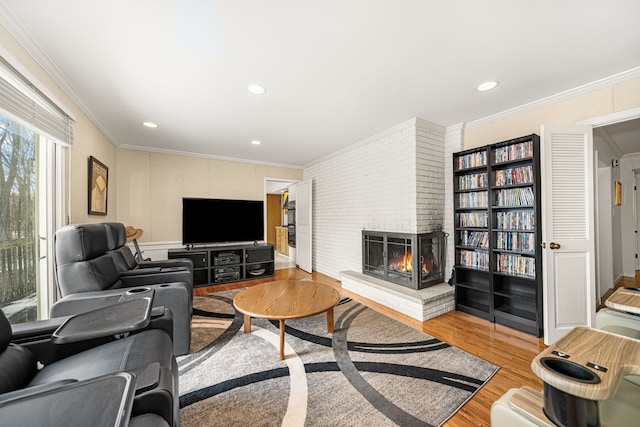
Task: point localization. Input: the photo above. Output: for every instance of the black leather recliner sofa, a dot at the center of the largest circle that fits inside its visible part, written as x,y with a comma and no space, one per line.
74,370
88,278
117,238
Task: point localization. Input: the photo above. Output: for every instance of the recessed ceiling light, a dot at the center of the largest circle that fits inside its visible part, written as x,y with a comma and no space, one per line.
487,86
149,124
256,89
256,142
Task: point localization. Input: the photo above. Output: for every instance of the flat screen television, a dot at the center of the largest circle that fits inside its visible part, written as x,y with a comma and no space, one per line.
221,221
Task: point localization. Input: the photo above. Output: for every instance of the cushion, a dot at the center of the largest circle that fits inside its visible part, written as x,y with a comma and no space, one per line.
17,368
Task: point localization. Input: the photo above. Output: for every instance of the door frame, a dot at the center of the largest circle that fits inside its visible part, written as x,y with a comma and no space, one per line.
609,119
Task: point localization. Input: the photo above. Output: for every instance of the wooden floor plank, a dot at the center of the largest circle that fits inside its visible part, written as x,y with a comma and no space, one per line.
507,348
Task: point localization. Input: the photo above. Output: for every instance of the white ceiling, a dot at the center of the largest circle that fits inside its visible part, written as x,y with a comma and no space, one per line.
335,71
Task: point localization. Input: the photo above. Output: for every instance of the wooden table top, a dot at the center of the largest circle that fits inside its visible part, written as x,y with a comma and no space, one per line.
619,355
286,299
625,299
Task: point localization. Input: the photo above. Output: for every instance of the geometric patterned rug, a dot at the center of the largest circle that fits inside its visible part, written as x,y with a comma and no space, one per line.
372,371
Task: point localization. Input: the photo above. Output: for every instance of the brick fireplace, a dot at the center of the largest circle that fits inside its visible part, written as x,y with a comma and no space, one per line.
392,181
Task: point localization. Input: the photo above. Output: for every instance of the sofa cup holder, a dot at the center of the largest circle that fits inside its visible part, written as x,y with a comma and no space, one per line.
565,409
569,370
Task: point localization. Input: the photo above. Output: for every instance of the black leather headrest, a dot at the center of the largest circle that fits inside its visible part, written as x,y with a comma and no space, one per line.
116,234
80,242
5,332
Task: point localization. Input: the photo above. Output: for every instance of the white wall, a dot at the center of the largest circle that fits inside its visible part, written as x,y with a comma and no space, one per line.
380,183
453,142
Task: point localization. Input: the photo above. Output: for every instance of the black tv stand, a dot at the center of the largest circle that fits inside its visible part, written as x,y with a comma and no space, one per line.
215,265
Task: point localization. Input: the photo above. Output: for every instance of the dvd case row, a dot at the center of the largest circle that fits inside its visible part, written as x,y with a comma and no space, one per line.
516,265
514,176
472,181
473,219
472,160
473,259
515,220
514,197
522,150
516,241
473,200
474,239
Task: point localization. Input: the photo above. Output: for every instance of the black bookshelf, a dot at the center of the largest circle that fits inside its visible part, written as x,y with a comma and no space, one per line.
498,264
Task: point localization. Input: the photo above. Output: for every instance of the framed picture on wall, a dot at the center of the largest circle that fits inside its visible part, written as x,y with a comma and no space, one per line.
98,187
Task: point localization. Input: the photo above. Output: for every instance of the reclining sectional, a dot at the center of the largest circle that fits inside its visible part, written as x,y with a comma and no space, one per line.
86,376
93,271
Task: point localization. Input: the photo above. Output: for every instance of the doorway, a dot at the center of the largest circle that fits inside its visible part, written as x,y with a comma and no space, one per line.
276,221
617,140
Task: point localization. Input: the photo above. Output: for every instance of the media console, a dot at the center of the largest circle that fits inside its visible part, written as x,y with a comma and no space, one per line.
214,265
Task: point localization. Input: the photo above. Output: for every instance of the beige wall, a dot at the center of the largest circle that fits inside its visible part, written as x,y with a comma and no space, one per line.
151,187
88,141
612,99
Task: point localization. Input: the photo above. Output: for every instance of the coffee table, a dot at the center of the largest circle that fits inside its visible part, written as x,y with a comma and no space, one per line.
286,299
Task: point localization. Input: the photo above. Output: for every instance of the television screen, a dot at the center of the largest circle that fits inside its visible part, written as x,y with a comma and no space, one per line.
222,220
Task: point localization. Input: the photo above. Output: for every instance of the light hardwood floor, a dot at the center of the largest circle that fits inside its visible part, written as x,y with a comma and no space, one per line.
507,348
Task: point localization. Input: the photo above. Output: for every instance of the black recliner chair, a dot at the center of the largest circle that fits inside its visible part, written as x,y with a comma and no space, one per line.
117,238
88,278
84,356
145,272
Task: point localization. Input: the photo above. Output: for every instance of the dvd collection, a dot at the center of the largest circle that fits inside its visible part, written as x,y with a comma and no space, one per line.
514,197
472,181
515,220
516,265
522,150
473,200
516,241
473,259
473,219
474,239
514,176
472,160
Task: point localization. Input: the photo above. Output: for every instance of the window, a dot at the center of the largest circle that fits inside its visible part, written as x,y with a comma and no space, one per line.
34,134
27,161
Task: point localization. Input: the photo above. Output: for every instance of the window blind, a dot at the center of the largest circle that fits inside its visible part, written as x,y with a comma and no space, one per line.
23,102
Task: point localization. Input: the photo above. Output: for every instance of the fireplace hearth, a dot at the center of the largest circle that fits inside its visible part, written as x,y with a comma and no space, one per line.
415,261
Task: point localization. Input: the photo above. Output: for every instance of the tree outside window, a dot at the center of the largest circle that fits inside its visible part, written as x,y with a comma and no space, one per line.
18,222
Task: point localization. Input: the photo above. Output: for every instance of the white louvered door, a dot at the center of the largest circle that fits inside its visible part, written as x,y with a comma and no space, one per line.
569,291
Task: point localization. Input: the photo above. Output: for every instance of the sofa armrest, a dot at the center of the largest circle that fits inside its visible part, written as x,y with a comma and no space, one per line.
176,262
151,278
40,329
139,271
127,316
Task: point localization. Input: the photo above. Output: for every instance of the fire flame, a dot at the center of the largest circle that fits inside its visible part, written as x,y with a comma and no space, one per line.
405,264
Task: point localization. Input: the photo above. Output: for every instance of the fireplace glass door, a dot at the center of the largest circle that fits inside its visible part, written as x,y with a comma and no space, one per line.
411,260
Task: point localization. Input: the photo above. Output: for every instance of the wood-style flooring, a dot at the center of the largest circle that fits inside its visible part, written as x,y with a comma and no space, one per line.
508,348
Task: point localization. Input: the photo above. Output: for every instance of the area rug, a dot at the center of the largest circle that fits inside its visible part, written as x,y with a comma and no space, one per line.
372,371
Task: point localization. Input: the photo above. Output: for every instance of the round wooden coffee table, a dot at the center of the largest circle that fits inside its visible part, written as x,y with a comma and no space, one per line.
286,299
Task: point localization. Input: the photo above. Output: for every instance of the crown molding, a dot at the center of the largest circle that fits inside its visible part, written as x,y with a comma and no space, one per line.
20,34
580,90
205,156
